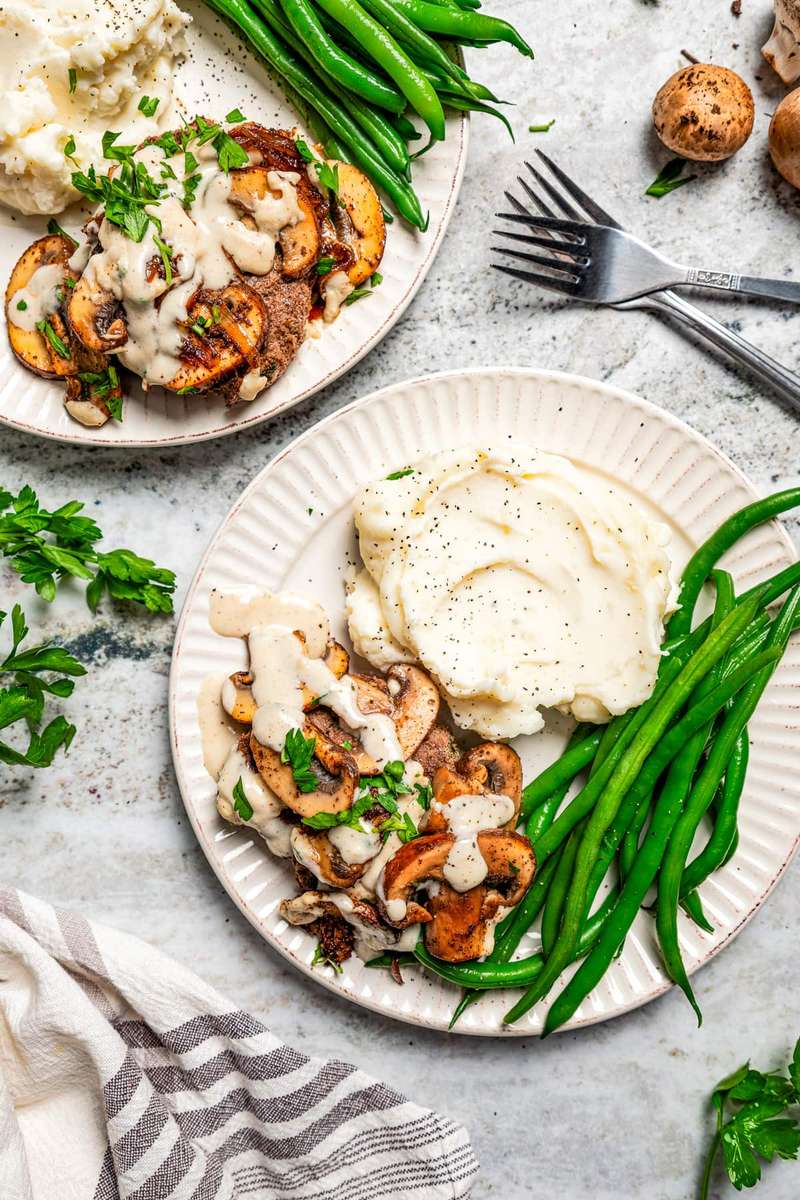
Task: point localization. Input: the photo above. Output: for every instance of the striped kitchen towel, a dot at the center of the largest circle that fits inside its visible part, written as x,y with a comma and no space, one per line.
123,1075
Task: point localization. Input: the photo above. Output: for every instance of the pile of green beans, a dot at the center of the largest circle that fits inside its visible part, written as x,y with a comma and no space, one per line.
358,67
654,774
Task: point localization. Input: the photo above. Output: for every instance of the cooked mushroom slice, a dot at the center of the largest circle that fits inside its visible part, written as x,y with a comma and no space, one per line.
333,794
362,204
499,770
330,738
315,851
82,406
456,923
300,243
237,697
447,784
224,329
313,906
416,705
337,660
96,317
31,346
373,695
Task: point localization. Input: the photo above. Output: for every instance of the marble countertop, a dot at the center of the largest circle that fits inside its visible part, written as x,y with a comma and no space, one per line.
616,1112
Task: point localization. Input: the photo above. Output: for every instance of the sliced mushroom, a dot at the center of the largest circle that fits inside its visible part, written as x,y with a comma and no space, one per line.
455,924
335,793
300,243
82,406
329,736
343,908
416,705
447,785
315,850
782,49
337,660
30,345
96,317
499,770
372,695
362,204
240,704
233,321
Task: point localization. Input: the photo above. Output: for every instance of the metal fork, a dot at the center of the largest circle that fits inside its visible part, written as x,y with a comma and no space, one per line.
784,381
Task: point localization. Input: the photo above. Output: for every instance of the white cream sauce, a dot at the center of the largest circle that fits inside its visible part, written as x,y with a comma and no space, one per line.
356,845
335,290
217,732
38,299
265,805
520,580
466,817
207,243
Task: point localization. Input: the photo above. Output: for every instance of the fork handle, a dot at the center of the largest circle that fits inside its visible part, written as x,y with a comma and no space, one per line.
784,381
751,285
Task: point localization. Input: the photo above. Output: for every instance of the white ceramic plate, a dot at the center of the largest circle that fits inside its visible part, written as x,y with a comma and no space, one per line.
292,528
219,75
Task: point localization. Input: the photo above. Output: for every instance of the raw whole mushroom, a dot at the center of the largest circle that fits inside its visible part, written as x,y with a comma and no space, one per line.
782,50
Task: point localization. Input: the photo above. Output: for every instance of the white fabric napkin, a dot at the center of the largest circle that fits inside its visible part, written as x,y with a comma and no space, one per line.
125,1077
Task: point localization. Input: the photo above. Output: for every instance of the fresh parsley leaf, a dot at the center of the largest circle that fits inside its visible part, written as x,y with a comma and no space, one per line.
544,128
190,185
190,163
21,306
424,795
401,824
668,179
376,279
241,804
329,176
321,959
148,105
325,265
46,546
72,80
54,227
69,149
61,348
115,153
297,752
230,154
235,117
168,143
304,150
359,293
401,474
166,258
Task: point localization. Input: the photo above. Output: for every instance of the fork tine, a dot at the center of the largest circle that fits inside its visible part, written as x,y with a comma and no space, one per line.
537,200
515,203
565,270
563,205
568,249
594,210
545,281
554,223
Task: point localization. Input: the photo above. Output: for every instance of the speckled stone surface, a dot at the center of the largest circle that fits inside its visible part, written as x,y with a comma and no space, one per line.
615,1112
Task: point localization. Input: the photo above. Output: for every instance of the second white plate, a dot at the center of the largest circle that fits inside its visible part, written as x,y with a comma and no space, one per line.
292,528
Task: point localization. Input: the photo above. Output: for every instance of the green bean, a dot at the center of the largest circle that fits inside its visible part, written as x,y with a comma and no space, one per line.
447,22
383,133
335,62
263,39
672,868
383,48
559,774
610,793
417,43
406,129
444,85
723,835
469,105
698,568
693,907
554,904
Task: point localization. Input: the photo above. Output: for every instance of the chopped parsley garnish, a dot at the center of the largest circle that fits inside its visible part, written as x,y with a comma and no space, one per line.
325,265
54,227
69,150
72,77
148,105
104,385
115,153
241,804
166,258
21,306
321,959
669,179
424,795
401,474
60,347
189,390
347,745
376,279
544,128
297,752
168,143
229,153
190,163
357,294
401,824
329,176
304,150
235,117
351,817
190,186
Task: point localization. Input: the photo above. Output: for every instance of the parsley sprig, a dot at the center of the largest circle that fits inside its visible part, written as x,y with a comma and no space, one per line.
756,1127
27,677
297,752
383,789
46,547
670,178
241,804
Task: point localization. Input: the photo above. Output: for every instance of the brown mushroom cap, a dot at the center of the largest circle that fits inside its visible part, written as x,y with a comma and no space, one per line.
333,795
330,866
456,924
704,112
784,138
498,768
416,705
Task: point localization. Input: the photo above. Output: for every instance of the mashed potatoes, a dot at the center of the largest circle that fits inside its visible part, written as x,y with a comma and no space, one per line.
77,67
520,582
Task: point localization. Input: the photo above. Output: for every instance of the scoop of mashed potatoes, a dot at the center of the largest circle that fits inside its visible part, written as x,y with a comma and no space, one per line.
521,582
78,67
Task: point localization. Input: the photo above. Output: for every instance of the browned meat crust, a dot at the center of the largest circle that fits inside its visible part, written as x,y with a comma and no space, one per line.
336,938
